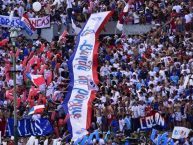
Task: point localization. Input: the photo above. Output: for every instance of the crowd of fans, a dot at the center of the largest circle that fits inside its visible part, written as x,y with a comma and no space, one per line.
137,73
140,11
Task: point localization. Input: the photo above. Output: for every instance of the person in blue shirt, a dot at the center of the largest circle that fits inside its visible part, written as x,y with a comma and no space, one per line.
148,16
114,125
127,127
174,78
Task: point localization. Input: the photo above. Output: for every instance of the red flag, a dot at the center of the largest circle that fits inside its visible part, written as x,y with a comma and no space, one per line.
4,42
17,52
57,65
24,62
62,38
38,80
31,54
34,60
18,102
7,67
33,92
122,17
7,77
49,55
42,60
42,69
24,96
7,74
42,48
9,94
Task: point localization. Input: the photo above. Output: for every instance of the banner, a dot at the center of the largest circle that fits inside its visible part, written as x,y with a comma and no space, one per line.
27,25
83,69
153,120
28,127
43,22
180,132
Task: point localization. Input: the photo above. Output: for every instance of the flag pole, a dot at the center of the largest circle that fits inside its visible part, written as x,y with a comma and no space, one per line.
13,36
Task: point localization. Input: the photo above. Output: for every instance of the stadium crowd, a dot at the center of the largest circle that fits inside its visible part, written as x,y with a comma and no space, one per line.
138,74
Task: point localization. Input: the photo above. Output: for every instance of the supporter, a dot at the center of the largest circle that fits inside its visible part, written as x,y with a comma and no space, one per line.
139,75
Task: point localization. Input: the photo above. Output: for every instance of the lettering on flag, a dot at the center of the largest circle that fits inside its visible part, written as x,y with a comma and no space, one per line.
28,127
42,22
153,120
83,76
180,132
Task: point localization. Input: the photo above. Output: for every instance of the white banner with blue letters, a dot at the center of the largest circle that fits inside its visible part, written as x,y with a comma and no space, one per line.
43,22
83,76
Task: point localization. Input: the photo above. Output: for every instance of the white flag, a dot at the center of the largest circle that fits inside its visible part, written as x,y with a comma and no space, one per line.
36,141
46,142
126,8
31,140
119,26
76,29
180,132
11,15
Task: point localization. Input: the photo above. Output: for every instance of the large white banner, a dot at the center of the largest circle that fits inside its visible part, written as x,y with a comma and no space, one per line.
180,132
43,22
83,76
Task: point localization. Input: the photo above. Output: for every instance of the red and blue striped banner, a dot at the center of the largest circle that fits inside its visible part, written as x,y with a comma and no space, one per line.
83,76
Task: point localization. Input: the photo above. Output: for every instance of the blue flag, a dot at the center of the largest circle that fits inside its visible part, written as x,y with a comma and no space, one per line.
28,127
153,134
23,127
84,140
9,127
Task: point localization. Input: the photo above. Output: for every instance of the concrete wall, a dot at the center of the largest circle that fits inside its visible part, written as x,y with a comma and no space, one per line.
110,28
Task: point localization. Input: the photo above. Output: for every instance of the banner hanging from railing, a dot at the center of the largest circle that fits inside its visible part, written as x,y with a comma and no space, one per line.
83,76
43,22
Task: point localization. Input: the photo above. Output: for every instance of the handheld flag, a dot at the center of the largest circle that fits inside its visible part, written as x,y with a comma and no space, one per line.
121,17
36,109
180,132
75,28
4,42
27,25
62,37
37,80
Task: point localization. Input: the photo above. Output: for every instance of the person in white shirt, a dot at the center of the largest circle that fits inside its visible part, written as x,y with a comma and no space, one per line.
152,73
19,79
135,110
141,109
21,10
188,18
10,83
101,140
178,8
136,18
121,123
19,67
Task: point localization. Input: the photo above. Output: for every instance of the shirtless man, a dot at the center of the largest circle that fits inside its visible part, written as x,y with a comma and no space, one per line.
170,114
177,113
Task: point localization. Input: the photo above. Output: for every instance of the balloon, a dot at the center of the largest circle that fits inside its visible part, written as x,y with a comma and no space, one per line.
37,6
